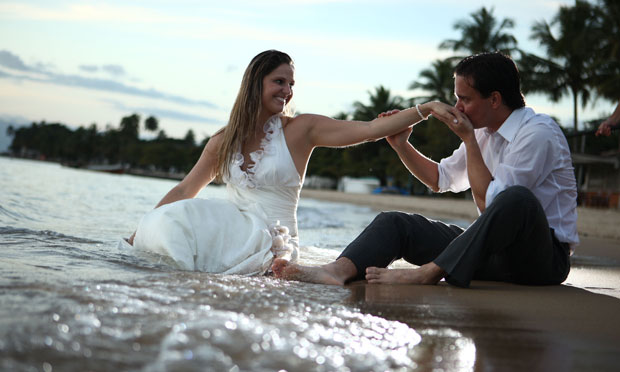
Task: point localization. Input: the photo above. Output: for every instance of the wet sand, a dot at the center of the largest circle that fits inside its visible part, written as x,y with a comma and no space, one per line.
570,327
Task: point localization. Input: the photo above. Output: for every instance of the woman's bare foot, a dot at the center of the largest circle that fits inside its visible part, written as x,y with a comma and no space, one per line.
425,274
335,273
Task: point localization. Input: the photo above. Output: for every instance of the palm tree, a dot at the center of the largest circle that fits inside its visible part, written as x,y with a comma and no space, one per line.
569,66
482,34
437,81
380,101
151,124
373,158
608,67
190,137
130,126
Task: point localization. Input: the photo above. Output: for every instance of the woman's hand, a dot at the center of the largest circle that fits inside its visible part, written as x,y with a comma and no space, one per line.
131,238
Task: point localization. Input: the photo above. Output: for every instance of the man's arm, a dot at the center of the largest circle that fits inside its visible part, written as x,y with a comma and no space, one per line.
477,172
423,168
419,165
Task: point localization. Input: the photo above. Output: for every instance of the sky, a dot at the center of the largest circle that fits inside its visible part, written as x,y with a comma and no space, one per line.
85,62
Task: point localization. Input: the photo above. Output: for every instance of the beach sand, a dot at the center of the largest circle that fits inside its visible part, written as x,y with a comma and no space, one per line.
591,222
569,327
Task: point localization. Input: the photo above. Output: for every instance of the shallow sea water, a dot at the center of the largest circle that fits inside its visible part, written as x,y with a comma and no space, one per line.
72,301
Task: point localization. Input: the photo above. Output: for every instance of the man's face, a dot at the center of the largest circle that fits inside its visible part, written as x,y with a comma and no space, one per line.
471,103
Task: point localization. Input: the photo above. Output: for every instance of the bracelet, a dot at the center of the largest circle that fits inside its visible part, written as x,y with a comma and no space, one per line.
417,107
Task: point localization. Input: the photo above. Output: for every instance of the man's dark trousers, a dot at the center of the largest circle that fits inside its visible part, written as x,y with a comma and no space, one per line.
510,241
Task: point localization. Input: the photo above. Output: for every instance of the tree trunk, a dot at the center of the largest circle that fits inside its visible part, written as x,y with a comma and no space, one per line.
575,138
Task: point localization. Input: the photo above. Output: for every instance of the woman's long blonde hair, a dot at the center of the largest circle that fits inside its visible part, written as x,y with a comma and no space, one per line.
246,110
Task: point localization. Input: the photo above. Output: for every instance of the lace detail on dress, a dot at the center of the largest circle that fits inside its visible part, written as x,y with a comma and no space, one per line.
247,178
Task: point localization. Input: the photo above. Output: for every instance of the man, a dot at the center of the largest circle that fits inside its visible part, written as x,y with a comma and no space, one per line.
518,166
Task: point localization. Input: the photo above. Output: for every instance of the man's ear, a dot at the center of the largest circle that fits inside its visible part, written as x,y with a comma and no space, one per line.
496,99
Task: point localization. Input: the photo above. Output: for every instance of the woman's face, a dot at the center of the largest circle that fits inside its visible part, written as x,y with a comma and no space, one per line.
278,89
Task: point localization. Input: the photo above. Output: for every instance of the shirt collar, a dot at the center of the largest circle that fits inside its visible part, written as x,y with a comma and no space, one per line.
511,126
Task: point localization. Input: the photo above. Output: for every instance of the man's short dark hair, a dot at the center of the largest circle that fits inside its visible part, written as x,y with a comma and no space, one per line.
490,72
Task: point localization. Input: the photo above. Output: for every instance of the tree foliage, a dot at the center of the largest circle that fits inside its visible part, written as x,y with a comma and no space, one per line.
437,81
482,33
607,79
85,146
569,67
151,124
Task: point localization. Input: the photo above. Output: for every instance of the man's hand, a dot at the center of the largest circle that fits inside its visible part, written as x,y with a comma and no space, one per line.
399,139
457,121
388,113
605,128
611,122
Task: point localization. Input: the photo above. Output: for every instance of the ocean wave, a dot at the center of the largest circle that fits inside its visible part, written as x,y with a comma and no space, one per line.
51,236
13,215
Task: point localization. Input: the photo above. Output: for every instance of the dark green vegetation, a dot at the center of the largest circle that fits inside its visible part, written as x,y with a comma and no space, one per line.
582,61
86,146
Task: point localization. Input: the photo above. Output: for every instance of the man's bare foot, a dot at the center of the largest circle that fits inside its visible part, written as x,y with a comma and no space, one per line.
335,273
425,274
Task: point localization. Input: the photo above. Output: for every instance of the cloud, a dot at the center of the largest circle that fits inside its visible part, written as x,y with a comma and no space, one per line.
89,68
115,70
10,60
13,62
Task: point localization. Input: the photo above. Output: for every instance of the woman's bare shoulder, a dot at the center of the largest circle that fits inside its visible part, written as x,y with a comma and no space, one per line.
217,136
301,119
215,141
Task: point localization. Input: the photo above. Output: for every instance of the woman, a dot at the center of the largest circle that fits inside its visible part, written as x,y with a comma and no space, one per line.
261,155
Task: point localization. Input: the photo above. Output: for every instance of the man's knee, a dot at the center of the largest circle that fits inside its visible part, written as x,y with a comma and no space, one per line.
386,220
400,224
394,218
515,196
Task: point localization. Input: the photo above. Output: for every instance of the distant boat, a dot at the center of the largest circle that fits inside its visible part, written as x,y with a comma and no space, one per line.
108,168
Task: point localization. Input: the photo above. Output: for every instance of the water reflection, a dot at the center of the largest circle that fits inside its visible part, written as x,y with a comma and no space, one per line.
442,345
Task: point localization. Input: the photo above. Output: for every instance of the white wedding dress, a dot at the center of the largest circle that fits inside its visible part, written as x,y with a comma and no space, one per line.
243,233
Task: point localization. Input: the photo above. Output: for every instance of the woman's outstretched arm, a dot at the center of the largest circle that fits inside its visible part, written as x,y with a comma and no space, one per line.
328,132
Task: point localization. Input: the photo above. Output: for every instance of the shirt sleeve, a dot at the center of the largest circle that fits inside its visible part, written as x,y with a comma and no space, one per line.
453,171
527,161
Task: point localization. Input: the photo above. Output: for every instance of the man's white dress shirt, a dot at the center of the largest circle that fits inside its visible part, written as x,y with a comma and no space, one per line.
530,150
